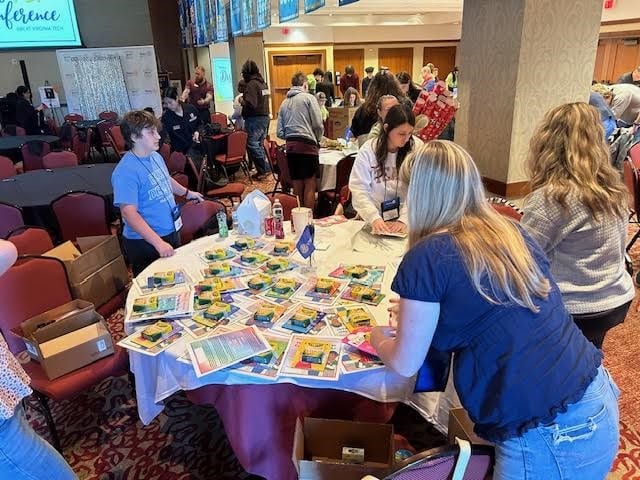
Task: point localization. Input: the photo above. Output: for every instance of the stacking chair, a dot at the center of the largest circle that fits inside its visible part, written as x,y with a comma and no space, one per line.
82,148
506,208
165,153
32,153
270,152
231,191
181,178
30,240
444,463
81,214
282,167
105,139
7,168
220,118
10,218
11,130
288,201
343,171
108,115
48,278
177,162
631,172
59,159
117,140
196,216
235,154
73,117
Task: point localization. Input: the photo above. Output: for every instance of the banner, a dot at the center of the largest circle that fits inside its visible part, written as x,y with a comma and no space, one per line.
200,23
235,7
211,24
222,79
249,17
345,2
288,10
311,5
222,28
183,18
264,14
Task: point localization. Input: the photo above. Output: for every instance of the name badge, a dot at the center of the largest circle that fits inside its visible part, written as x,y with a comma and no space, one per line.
390,209
177,219
176,127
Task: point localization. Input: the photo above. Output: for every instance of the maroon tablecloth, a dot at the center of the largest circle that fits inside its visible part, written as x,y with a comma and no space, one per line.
260,419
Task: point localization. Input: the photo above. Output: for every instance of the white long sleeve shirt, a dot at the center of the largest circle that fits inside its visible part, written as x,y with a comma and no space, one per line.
368,192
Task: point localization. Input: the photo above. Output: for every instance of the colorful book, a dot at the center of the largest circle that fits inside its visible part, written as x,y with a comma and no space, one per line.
362,294
155,338
162,280
161,305
368,275
216,255
220,313
264,314
354,360
265,365
330,220
247,243
349,318
321,290
223,270
312,357
302,319
251,259
282,289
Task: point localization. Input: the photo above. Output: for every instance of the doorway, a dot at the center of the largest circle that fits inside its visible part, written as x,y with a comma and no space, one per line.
349,56
283,65
396,59
442,57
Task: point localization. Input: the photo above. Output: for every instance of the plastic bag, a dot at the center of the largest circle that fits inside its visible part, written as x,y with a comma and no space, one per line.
252,211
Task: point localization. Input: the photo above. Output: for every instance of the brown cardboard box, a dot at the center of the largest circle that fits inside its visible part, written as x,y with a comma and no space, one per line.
69,337
339,120
461,426
97,271
317,449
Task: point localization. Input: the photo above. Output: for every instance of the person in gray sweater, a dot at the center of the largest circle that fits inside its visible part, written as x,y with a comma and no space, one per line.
300,124
577,211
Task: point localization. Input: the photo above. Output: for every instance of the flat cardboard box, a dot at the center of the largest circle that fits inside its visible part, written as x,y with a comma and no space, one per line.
97,271
322,440
66,338
461,426
339,120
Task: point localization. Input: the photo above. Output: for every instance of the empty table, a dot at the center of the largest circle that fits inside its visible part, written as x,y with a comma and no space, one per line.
16,141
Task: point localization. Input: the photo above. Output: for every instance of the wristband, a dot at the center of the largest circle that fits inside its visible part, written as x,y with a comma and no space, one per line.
186,193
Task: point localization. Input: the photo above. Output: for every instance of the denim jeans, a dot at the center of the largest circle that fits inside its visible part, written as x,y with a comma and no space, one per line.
24,455
257,129
581,443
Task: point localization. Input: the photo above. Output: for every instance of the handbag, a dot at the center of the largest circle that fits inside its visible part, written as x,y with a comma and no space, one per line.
434,372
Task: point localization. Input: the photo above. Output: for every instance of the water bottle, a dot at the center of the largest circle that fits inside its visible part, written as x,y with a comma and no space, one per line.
223,230
235,226
348,135
278,219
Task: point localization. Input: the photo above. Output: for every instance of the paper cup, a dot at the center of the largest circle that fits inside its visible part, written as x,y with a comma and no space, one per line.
301,217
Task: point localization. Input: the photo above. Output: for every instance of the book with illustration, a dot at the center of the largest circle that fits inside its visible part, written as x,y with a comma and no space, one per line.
265,365
277,265
243,244
221,285
223,270
354,360
312,357
321,290
251,259
216,255
161,305
216,352
362,294
282,289
368,275
348,318
162,280
220,313
302,319
280,248
264,314
155,338
330,220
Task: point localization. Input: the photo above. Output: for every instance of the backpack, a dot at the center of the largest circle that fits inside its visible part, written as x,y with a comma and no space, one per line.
621,141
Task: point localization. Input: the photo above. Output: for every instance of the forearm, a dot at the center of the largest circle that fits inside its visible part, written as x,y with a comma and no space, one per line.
208,98
135,221
178,189
185,95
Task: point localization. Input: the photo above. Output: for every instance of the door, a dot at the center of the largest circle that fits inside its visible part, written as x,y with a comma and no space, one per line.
627,57
442,57
602,53
396,59
349,56
283,66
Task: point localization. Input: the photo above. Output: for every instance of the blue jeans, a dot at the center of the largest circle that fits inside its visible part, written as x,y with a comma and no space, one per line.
24,455
581,443
257,129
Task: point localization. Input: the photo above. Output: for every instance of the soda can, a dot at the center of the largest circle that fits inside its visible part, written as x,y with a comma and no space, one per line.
268,226
278,228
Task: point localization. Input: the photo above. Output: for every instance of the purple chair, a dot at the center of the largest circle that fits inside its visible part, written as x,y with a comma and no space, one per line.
10,218
32,153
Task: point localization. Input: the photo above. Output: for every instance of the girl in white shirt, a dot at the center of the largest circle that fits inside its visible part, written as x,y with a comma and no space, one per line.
379,196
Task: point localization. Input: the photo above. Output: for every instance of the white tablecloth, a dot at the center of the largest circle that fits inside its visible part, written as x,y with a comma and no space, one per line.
160,376
328,161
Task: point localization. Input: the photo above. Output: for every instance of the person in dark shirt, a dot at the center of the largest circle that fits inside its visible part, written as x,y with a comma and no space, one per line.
631,77
27,116
366,81
475,283
255,111
199,93
180,122
326,86
349,79
407,86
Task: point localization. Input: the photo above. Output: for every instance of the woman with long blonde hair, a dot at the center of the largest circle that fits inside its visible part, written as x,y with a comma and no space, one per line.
577,212
475,284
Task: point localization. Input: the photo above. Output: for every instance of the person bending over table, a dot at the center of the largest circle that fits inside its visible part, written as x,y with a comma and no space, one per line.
144,192
180,121
476,283
23,453
379,196
577,211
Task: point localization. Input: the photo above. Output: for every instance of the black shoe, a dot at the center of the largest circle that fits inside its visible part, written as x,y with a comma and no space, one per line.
258,176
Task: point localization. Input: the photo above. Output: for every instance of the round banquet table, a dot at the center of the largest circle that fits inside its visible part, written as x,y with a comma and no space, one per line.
33,191
16,141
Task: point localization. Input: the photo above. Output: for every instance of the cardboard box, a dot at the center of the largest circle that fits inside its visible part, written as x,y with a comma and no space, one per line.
461,426
97,271
66,338
318,443
339,120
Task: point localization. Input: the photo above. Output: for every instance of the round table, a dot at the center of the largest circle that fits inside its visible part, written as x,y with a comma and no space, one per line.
33,191
16,141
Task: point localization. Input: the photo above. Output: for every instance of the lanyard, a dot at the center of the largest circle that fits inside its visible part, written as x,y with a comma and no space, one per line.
155,180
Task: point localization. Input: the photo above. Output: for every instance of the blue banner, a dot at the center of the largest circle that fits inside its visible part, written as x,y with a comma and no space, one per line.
311,5
264,14
222,29
201,22
222,79
235,7
249,17
191,21
346,2
288,10
211,23
184,24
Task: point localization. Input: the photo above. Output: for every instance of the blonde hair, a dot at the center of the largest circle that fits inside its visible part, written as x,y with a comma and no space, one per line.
568,155
446,193
602,89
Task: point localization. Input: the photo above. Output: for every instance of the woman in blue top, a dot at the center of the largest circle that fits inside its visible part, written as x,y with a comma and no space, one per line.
475,284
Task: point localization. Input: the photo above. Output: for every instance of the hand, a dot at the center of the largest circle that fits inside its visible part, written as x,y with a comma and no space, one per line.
196,136
394,310
201,102
380,335
164,249
379,226
396,227
194,196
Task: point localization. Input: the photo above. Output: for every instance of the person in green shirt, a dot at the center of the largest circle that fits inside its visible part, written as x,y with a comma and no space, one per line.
452,79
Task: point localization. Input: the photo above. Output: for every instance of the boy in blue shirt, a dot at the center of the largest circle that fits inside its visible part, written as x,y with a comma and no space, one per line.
144,191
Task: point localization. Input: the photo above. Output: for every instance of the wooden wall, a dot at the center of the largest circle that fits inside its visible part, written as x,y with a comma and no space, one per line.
616,56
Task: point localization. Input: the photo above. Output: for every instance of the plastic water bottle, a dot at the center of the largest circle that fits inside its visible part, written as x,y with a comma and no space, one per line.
348,135
235,226
223,230
278,219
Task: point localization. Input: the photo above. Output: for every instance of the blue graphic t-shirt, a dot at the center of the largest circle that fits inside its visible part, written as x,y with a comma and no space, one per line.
145,183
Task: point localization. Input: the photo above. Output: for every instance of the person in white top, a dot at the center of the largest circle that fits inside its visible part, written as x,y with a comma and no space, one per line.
379,196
